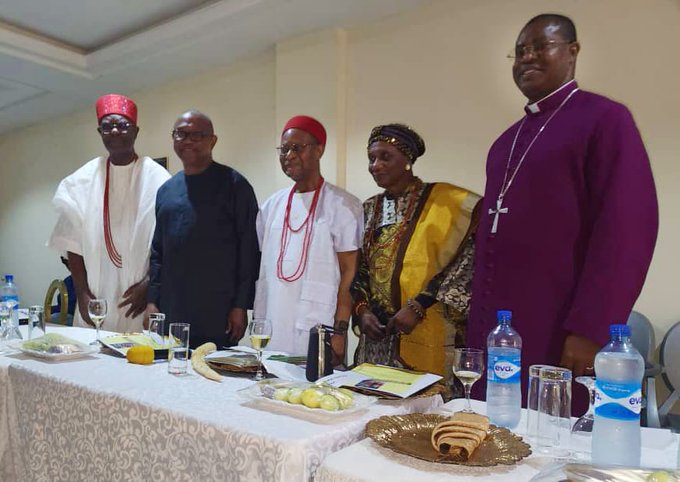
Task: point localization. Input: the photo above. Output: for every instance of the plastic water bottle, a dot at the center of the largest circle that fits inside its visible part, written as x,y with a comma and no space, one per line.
503,382
619,369
9,295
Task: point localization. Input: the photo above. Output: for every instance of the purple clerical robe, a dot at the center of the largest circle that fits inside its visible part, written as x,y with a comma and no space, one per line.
571,253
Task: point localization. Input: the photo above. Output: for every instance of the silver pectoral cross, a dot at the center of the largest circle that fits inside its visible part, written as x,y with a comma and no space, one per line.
496,213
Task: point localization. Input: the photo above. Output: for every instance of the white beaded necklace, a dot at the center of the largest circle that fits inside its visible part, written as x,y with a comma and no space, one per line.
507,183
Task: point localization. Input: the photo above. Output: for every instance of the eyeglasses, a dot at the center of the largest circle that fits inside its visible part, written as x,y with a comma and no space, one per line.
191,135
107,127
294,148
537,48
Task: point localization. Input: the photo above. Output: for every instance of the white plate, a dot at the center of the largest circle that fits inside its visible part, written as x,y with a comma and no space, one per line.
85,350
254,393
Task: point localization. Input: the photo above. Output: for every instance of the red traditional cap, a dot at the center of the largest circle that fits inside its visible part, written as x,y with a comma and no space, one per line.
309,125
116,104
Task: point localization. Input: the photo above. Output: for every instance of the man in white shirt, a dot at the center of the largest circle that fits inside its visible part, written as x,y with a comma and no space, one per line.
106,220
309,235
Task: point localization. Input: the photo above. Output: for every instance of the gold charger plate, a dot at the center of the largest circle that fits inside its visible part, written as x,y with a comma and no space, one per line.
226,367
410,435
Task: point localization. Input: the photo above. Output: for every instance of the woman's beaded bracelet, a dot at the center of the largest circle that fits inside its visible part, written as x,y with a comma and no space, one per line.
411,303
358,306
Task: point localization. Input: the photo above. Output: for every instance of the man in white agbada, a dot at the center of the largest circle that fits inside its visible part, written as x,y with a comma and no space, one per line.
106,220
309,235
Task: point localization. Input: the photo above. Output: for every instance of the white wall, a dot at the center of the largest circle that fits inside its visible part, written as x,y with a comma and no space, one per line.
442,70
238,98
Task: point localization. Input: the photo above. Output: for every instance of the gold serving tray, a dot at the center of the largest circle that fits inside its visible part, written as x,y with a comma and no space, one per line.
410,435
244,366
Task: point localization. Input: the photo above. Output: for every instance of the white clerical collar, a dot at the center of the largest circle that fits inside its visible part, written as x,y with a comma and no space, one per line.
535,107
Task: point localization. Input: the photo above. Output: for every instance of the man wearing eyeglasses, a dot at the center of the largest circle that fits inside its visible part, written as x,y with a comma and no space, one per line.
204,255
106,220
570,211
310,234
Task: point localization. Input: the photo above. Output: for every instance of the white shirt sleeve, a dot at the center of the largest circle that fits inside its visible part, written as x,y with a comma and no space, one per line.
348,225
65,236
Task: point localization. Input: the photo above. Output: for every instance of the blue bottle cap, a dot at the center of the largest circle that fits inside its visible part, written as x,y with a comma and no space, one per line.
9,278
503,315
619,330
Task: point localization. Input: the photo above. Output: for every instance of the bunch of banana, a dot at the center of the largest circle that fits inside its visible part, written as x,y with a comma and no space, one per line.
200,366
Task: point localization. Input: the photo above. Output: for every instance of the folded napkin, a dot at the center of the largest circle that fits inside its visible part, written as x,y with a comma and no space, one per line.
461,434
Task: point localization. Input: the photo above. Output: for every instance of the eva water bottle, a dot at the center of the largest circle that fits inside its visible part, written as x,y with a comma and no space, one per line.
9,295
619,369
503,382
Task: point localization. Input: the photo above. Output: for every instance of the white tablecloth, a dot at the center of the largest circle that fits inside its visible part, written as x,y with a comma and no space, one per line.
368,461
100,418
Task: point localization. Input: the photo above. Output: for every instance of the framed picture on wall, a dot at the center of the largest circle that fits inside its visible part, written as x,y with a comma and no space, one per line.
163,161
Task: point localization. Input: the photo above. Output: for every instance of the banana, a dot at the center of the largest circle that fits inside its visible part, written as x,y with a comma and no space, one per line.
200,366
205,348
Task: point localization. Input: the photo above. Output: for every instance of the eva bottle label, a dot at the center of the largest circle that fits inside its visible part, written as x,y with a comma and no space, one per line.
618,401
503,367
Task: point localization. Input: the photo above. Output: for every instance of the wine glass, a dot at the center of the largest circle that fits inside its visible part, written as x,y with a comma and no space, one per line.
97,310
584,425
260,334
468,366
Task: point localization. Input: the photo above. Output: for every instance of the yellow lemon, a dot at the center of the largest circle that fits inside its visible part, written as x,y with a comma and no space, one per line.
281,394
661,476
345,398
141,355
295,396
330,403
311,397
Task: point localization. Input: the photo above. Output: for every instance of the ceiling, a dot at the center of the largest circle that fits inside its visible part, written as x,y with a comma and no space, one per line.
59,56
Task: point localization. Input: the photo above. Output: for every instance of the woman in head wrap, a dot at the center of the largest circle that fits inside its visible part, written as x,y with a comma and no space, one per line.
412,290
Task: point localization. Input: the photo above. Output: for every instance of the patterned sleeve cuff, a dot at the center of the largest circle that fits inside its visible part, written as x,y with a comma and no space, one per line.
425,300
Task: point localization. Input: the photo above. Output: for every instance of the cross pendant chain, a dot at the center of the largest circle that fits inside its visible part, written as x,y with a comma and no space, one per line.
508,182
496,213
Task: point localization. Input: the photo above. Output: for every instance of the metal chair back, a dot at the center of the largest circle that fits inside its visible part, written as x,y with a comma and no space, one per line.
669,355
642,337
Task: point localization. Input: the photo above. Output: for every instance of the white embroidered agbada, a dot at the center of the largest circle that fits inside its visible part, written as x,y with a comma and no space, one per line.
79,201
295,307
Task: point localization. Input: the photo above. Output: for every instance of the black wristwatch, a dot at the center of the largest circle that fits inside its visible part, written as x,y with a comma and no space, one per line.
342,325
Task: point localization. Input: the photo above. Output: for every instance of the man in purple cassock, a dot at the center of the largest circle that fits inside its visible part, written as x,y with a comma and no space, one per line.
570,212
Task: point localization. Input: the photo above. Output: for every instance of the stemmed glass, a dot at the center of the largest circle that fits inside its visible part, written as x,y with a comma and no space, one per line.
584,425
468,366
260,334
97,310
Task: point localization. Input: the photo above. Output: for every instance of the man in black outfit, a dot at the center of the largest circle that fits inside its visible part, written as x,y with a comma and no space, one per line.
204,255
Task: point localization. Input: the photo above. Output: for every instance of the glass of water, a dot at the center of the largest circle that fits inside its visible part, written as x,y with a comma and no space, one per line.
178,351
36,321
156,329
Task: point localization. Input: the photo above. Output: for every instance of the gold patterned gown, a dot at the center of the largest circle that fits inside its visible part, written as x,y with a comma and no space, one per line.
417,245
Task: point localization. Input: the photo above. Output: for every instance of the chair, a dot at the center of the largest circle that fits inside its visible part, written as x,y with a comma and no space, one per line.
57,286
642,337
669,355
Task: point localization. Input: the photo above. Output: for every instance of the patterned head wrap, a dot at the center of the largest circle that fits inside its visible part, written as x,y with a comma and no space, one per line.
116,104
400,136
308,124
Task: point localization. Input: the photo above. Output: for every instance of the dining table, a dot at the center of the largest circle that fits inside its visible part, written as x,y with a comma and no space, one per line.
368,461
100,418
